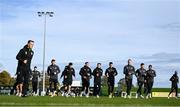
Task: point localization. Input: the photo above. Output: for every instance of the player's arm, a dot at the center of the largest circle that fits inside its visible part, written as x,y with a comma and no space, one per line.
106,73
115,72
19,56
73,73
48,70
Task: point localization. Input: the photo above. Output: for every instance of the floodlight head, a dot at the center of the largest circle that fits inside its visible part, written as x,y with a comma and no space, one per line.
50,14
39,14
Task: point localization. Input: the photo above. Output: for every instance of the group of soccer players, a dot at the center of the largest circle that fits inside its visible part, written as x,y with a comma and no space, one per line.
144,77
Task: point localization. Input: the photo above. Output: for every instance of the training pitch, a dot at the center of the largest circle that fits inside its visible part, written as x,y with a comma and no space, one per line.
83,101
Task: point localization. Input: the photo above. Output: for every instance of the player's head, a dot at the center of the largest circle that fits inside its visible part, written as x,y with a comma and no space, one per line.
111,64
87,64
150,66
142,65
70,64
176,73
35,67
53,61
30,44
99,65
129,62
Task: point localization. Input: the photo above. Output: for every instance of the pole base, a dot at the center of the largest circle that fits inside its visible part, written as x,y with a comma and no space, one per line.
43,93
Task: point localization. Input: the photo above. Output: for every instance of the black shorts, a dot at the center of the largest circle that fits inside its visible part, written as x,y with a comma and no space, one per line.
67,82
111,82
53,80
19,79
85,83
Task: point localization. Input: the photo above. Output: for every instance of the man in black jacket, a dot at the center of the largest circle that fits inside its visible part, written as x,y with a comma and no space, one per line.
24,58
85,74
141,75
110,73
149,81
174,87
129,71
35,78
53,71
97,73
68,74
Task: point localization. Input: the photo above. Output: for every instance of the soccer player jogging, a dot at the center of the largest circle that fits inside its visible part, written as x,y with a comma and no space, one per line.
174,87
68,74
85,74
140,74
35,78
110,73
24,58
97,73
53,71
149,81
129,71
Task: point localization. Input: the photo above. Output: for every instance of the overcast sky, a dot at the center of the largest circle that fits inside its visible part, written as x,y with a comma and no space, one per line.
94,30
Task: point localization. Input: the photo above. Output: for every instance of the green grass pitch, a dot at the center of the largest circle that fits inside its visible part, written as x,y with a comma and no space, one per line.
82,101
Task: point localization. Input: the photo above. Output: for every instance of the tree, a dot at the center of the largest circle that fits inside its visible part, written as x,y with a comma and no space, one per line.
12,81
5,78
104,81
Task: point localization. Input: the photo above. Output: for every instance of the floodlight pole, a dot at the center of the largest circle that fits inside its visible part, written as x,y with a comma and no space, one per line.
45,14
